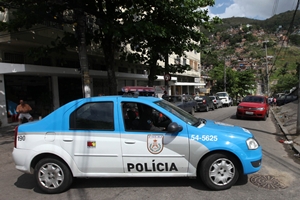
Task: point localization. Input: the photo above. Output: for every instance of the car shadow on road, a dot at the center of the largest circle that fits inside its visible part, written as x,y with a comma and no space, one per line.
27,181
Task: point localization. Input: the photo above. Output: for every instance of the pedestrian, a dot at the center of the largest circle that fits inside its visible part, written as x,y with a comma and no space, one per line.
274,102
165,95
23,110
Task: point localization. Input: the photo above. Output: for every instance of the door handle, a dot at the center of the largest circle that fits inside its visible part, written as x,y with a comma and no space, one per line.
129,142
68,140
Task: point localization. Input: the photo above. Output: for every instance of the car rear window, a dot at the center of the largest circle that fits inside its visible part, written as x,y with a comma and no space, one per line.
93,116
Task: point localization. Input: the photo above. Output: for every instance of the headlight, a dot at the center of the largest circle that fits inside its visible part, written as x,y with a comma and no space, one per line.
260,109
252,144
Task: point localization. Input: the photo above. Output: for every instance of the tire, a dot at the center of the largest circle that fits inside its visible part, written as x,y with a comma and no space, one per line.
219,171
238,117
213,107
52,176
207,109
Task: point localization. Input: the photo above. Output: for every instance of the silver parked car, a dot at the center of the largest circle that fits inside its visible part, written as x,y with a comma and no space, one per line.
216,101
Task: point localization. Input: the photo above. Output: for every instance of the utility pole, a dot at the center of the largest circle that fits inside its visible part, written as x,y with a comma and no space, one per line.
298,114
225,75
267,67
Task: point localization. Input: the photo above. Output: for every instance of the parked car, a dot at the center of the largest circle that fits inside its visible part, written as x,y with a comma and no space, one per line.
284,99
216,101
225,98
88,137
253,106
185,102
204,103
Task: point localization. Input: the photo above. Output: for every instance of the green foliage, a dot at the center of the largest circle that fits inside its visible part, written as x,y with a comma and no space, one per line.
238,83
295,39
285,82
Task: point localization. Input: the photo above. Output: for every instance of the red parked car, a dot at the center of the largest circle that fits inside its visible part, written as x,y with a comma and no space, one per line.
253,106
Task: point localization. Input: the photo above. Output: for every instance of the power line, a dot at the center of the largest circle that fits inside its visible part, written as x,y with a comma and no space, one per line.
287,34
275,7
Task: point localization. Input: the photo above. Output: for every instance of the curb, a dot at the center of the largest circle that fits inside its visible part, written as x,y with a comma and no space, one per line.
286,133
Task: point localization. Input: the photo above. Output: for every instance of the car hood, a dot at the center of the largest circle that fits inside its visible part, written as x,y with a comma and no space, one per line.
228,128
251,104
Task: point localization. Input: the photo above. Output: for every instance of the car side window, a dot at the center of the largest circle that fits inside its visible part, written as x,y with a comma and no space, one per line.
147,119
93,116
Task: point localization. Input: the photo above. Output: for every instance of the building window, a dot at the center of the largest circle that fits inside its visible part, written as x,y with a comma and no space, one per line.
184,61
123,69
177,60
14,58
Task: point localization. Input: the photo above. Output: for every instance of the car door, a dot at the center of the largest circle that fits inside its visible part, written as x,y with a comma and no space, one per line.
154,153
93,140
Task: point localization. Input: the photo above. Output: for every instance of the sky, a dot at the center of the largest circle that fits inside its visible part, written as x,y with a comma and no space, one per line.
254,9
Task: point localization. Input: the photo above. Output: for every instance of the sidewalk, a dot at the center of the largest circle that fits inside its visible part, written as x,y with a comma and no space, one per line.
286,117
8,130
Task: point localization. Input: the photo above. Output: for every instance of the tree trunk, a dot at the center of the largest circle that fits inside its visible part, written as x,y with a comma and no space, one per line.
83,59
153,70
109,52
167,72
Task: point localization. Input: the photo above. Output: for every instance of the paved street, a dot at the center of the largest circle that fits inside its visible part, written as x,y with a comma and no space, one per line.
278,178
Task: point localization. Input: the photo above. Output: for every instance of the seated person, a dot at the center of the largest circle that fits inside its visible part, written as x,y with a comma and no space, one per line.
148,120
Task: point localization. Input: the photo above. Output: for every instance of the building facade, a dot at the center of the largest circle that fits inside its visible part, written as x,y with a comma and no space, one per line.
48,82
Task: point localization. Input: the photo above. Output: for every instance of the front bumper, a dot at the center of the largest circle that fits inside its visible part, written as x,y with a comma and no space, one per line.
251,113
253,161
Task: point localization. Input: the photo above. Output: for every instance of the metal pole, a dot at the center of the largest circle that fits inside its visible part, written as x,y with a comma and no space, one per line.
225,76
267,68
298,114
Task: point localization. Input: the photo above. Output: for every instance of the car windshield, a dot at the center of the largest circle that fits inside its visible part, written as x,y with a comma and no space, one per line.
253,99
223,94
183,115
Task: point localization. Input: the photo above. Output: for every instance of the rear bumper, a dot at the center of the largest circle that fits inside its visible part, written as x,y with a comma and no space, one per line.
21,162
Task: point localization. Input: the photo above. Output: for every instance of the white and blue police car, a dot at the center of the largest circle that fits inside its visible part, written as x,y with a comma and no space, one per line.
129,136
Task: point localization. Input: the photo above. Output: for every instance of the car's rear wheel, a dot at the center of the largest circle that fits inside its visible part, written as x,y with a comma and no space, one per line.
53,176
219,171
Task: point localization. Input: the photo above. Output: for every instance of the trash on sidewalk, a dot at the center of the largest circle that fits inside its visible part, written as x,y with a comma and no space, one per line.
297,155
285,141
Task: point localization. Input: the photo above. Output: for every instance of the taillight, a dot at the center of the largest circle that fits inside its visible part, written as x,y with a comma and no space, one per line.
16,136
204,101
215,101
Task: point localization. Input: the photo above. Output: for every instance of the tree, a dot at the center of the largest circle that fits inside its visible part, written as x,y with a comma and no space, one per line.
156,28
29,13
238,83
166,28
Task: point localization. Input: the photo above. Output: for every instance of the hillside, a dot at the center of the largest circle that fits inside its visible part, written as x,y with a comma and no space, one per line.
242,42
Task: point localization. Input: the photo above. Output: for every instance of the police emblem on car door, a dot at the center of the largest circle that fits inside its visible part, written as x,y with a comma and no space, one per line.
155,143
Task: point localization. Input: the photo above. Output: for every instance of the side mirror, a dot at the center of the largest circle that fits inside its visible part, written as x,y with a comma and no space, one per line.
174,128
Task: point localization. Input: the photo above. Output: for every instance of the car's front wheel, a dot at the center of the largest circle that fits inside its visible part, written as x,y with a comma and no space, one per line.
53,176
219,171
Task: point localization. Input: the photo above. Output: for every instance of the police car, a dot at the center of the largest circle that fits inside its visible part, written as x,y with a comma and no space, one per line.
130,136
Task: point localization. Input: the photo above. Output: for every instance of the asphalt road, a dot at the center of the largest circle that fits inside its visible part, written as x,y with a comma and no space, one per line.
278,178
